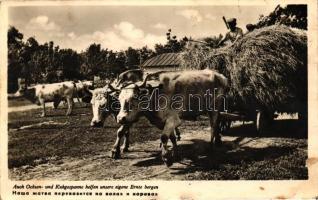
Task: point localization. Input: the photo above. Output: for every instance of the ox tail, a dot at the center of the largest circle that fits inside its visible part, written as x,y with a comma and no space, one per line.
76,91
221,83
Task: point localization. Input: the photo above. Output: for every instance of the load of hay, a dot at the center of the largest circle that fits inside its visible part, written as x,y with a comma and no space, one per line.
267,68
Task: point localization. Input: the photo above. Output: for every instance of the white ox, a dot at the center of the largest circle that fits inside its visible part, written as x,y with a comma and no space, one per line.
181,94
105,103
56,92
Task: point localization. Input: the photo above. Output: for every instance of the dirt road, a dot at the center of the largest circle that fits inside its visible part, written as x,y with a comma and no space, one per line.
143,161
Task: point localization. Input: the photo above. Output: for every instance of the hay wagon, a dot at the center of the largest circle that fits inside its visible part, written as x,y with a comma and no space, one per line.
267,73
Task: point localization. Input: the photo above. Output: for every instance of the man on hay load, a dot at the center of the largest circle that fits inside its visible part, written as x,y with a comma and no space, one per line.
234,33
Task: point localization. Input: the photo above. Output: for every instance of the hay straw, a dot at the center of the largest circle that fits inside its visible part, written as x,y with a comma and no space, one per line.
267,68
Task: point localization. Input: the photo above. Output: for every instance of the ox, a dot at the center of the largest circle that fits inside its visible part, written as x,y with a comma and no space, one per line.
186,92
105,103
56,92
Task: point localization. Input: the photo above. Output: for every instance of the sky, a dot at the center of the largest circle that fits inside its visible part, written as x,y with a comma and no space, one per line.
118,27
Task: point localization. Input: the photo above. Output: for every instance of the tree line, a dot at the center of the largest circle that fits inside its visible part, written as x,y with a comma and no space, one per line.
48,63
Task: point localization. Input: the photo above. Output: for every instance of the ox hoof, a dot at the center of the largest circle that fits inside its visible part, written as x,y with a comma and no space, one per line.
178,138
115,154
97,124
167,159
176,155
218,142
125,149
42,115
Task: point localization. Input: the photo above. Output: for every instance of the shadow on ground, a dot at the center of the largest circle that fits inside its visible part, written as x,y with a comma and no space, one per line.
232,162
287,128
237,160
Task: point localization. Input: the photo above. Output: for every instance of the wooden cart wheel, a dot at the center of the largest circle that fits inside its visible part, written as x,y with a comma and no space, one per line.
224,126
263,121
302,116
258,121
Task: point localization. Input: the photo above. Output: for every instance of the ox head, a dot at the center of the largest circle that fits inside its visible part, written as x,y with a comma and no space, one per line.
129,99
103,103
84,90
28,93
103,97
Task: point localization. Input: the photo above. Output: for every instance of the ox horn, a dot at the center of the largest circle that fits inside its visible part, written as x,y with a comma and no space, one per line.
121,77
143,84
155,74
119,81
128,71
90,91
112,88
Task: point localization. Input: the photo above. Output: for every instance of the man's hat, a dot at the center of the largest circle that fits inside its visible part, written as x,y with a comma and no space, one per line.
231,21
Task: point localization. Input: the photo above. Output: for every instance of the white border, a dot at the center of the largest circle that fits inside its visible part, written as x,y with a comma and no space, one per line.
187,189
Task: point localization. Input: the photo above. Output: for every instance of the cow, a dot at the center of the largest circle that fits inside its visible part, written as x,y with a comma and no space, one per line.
55,92
82,93
197,91
105,103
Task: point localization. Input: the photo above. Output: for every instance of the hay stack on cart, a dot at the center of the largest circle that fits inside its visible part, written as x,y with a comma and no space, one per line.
267,71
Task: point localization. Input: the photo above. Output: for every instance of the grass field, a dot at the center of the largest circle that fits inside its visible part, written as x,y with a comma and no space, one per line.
40,147
18,102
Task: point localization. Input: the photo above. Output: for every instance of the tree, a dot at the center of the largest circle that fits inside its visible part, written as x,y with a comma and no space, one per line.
120,61
14,62
93,60
291,15
132,58
69,64
14,37
173,45
145,53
